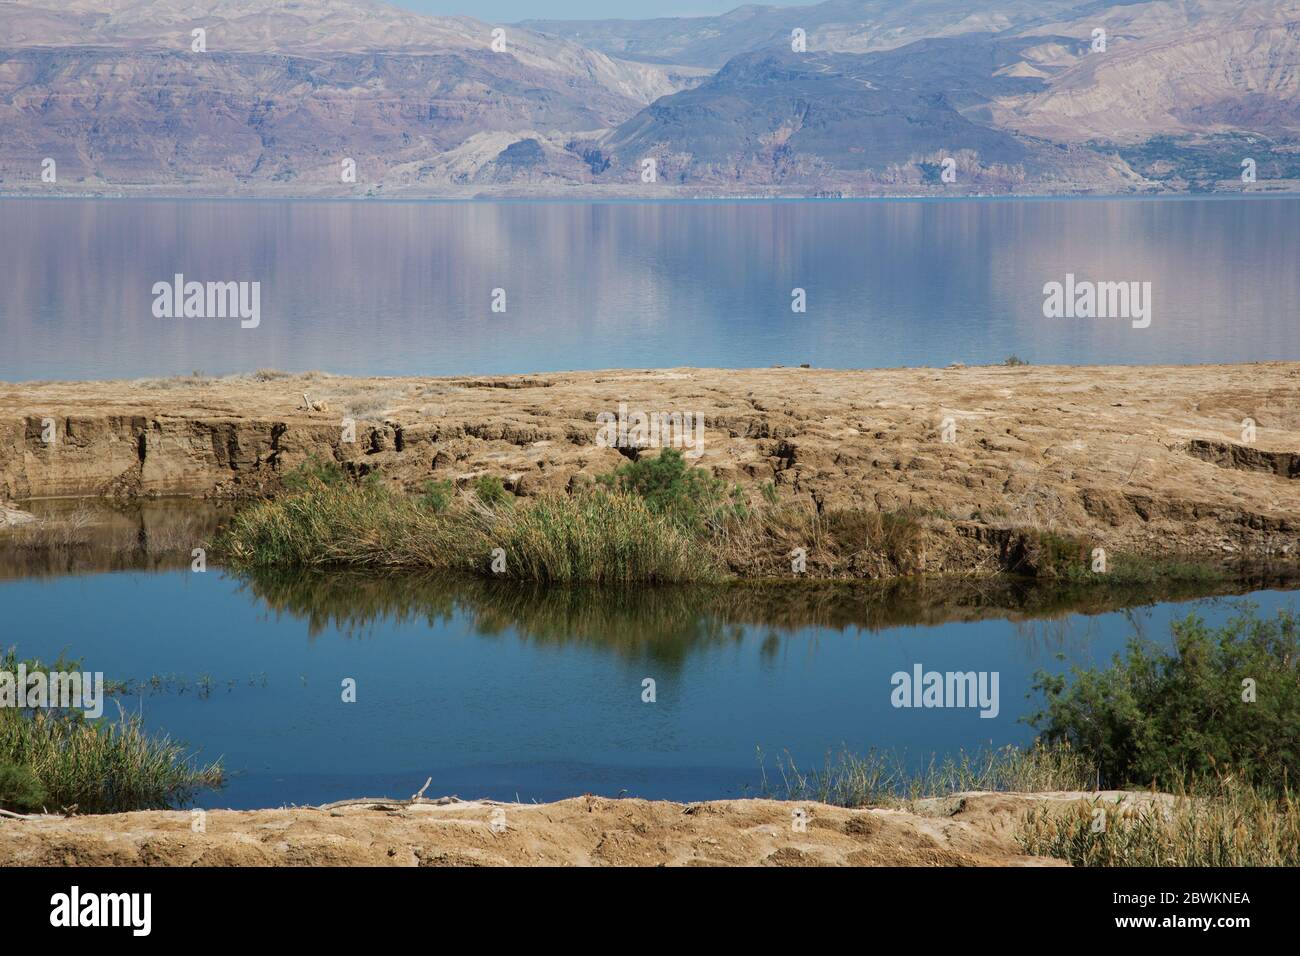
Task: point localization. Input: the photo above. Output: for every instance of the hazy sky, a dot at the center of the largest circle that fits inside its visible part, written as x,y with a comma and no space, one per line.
508,11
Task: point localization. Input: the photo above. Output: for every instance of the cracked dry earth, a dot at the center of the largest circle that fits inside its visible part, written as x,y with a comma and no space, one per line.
972,829
1144,459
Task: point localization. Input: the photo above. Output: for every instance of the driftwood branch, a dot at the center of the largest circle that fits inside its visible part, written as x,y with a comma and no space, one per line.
416,798
9,814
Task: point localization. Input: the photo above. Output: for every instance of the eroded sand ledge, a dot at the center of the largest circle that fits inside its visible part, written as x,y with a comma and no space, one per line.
971,829
1145,459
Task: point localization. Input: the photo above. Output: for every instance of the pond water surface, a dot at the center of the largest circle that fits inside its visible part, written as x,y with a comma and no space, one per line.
503,693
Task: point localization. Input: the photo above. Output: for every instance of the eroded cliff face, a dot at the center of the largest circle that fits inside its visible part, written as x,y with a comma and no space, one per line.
1152,460
129,455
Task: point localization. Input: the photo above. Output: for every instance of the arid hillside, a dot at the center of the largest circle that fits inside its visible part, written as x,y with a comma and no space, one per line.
356,98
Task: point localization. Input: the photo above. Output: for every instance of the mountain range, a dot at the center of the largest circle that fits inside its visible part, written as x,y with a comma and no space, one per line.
843,98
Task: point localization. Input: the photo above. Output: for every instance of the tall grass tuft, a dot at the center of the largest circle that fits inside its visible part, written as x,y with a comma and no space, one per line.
1227,823
98,766
598,537
62,761
880,779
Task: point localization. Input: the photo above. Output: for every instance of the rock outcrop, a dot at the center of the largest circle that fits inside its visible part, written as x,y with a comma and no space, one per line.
1142,459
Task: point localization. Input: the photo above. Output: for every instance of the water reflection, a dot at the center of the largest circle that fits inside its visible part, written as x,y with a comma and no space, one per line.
405,288
665,624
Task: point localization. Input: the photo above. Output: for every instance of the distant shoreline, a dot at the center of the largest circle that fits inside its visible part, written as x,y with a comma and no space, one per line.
602,198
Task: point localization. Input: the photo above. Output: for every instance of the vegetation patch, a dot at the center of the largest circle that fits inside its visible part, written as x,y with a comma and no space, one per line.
60,760
1219,702
1211,720
655,519
880,779
1201,734
1227,823
596,537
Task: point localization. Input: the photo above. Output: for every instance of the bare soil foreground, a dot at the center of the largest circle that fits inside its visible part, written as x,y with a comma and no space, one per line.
1147,460
971,829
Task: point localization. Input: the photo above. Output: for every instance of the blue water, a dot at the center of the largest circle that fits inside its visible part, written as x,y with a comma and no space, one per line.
406,288
490,705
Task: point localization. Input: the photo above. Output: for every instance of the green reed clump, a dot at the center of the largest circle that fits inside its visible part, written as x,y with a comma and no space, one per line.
98,766
692,525
597,537
59,760
325,523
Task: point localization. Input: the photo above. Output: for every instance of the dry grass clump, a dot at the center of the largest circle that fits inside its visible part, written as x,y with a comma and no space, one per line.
843,543
879,779
1227,823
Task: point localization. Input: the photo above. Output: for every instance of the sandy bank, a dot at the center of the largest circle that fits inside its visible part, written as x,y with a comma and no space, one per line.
973,829
1142,459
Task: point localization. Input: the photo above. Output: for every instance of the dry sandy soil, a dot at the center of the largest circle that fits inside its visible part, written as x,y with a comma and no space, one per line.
1140,459
972,829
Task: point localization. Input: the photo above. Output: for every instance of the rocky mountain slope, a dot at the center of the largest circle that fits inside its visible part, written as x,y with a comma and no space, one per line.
1018,95
1170,94
844,121
286,91
1190,67
835,26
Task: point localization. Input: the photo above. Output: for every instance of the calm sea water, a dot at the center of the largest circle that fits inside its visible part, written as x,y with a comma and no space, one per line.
407,288
500,695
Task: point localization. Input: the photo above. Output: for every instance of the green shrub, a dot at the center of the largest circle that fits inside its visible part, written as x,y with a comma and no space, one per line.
20,791
491,492
437,495
315,470
690,497
1165,717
